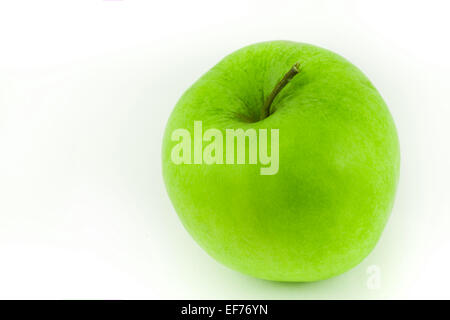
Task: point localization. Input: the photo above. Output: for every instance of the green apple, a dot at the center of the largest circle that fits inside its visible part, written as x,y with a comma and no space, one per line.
324,208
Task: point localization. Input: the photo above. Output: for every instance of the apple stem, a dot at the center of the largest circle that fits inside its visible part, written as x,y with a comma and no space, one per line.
280,85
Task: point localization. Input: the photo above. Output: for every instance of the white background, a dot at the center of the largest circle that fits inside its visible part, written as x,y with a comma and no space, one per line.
86,88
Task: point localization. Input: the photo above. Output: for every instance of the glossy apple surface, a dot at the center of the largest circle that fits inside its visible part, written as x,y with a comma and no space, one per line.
326,207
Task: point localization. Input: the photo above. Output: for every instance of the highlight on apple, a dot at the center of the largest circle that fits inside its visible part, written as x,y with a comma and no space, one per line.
235,146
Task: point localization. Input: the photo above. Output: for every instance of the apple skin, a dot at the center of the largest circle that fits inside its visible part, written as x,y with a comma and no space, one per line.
325,209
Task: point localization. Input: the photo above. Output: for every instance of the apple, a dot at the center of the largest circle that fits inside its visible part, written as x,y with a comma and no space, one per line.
324,208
